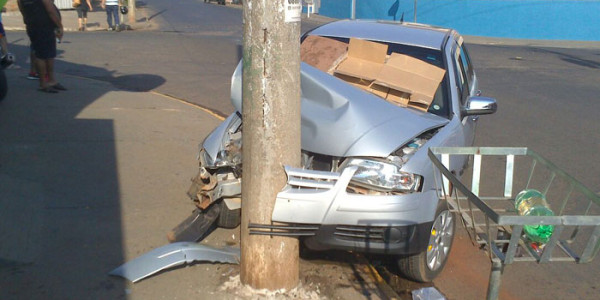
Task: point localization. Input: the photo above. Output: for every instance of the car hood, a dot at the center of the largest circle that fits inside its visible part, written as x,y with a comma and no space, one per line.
341,120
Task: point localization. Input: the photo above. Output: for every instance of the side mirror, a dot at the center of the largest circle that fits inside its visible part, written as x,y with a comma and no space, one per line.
477,105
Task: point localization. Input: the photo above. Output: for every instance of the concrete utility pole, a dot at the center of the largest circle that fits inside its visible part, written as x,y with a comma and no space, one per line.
131,4
271,135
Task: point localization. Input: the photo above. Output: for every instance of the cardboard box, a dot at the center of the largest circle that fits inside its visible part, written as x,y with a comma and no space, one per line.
406,74
365,59
355,81
398,97
379,90
322,53
400,79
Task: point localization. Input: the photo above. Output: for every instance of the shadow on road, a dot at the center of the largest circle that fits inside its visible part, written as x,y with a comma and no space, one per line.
569,58
60,216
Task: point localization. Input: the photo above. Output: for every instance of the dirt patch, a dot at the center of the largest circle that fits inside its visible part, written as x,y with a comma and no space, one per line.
323,275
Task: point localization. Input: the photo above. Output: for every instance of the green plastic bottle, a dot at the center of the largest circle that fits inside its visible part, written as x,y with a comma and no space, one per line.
533,203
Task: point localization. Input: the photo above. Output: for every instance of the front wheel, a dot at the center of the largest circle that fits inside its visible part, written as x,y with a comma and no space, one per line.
425,266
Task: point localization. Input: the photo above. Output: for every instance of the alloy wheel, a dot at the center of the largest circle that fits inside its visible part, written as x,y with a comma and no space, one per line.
440,240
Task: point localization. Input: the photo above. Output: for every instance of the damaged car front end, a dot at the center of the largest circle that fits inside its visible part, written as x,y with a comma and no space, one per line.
366,183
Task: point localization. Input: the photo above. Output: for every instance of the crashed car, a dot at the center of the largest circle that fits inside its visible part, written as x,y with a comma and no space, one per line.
375,96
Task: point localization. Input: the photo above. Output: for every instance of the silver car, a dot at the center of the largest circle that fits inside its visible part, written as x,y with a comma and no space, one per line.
366,184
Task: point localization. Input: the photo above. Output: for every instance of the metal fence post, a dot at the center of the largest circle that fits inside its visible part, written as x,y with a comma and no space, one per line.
495,278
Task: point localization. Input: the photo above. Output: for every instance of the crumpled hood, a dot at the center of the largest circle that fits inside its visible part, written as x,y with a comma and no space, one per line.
341,120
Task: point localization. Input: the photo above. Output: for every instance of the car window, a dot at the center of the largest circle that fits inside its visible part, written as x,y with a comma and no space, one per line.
463,85
468,66
465,73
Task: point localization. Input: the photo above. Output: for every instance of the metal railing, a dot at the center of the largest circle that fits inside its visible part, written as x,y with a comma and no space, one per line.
495,224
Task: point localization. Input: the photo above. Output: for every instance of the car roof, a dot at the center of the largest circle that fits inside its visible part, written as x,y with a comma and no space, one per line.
414,34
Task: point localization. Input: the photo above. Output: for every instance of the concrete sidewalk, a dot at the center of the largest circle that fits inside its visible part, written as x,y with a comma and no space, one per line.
90,178
95,176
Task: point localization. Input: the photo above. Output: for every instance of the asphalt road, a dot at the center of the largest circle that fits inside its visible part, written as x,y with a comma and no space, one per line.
548,101
547,96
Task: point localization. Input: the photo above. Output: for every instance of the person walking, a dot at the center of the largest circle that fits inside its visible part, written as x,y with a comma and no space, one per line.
82,11
44,26
6,58
112,12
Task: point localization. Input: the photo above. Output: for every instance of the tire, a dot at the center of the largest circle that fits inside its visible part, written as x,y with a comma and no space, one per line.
425,266
229,218
3,85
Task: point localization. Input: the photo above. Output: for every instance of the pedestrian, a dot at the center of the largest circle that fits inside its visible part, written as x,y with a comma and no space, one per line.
6,58
82,11
112,12
44,27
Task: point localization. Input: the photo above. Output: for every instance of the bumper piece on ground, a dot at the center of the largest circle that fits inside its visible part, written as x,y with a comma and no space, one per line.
173,255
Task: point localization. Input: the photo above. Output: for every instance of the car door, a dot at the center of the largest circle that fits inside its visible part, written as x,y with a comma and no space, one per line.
467,86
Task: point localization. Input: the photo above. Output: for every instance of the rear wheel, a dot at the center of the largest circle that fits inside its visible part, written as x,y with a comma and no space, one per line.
425,266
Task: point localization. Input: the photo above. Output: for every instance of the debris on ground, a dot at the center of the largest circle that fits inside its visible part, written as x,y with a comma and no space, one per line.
235,286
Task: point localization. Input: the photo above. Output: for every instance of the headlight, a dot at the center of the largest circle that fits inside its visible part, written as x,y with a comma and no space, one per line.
224,158
229,157
383,176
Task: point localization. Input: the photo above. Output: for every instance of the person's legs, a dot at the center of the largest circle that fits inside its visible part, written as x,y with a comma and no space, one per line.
3,42
84,20
116,14
44,45
114,11
109,16
50,69
79,18
46,70
40,65
33,75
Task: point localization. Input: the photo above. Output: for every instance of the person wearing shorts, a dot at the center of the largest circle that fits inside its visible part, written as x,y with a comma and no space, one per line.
82,11
44,26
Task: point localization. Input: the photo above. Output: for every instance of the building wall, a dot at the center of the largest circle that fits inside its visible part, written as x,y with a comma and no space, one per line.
523,19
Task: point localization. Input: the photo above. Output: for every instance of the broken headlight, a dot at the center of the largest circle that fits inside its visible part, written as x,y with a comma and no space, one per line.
382,176
225,158
229,150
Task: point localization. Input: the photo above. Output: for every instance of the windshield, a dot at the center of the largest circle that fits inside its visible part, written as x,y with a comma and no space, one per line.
440,104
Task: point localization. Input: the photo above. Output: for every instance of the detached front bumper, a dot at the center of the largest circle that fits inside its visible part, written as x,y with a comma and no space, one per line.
316,205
